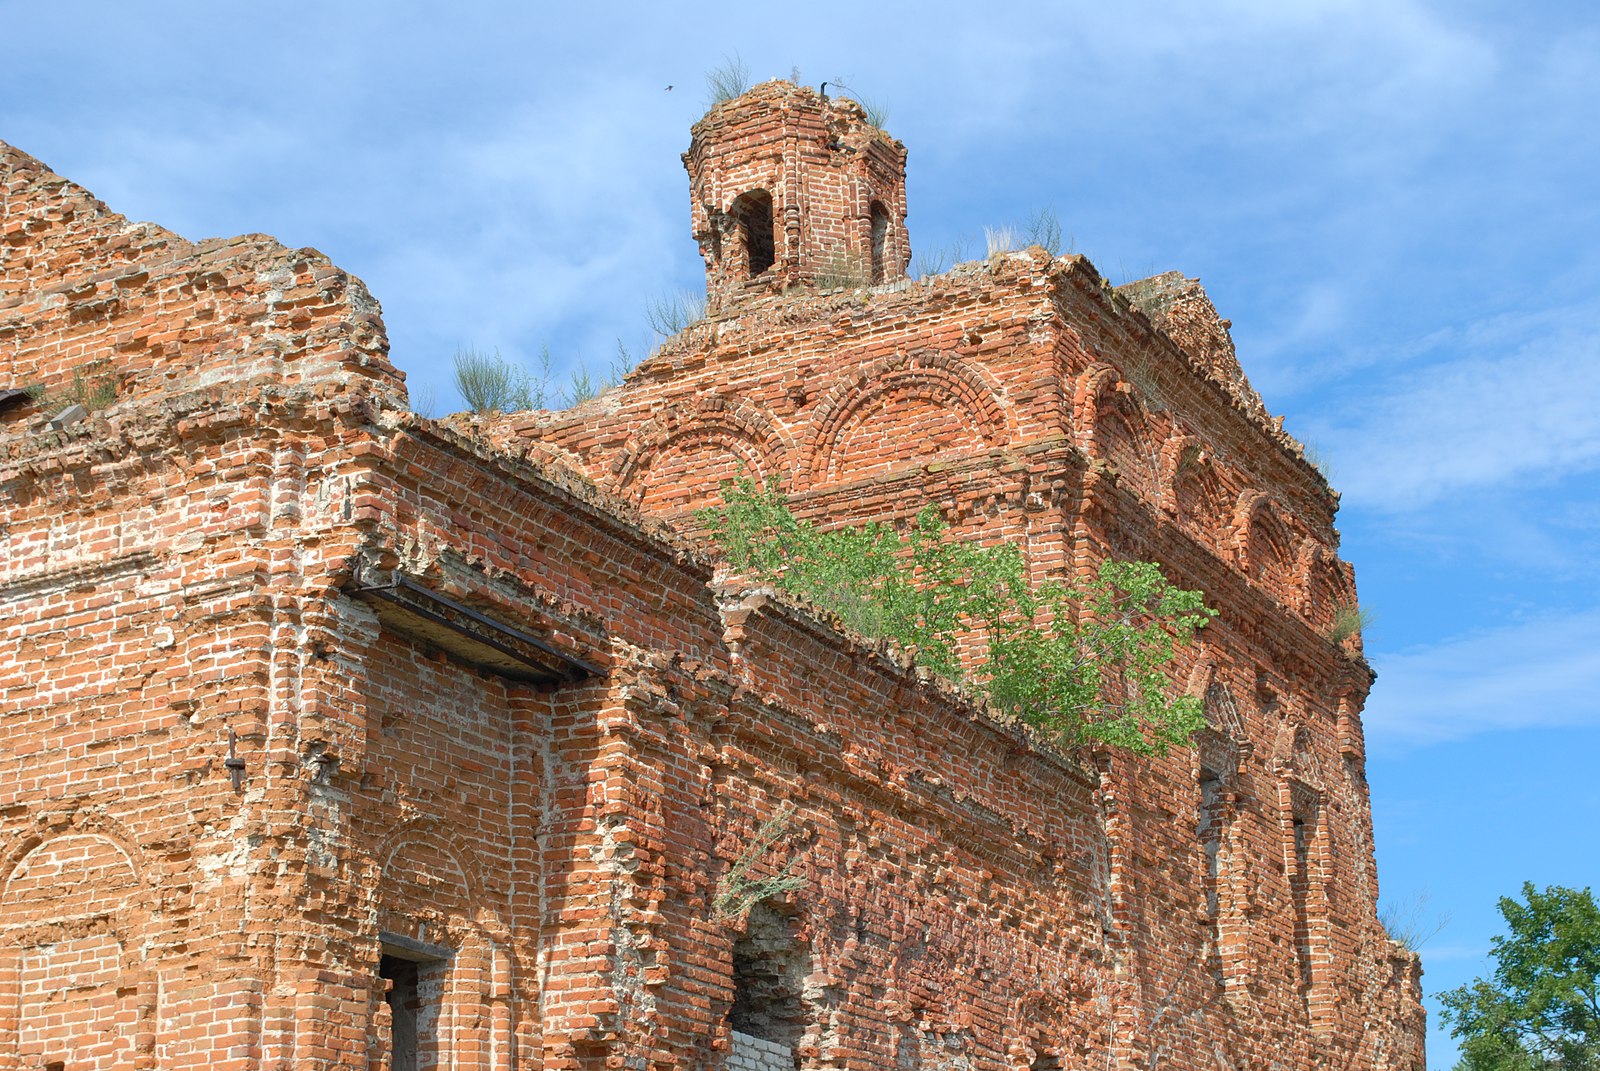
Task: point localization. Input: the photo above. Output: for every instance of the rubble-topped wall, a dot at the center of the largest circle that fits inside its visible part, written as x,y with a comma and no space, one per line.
93,304
1180,308
336,737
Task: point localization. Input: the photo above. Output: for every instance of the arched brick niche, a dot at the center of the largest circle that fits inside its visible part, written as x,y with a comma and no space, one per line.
1117,431
904,411
1325,586
678,461
436,982
1267,543
1195,490
1123,439
74,990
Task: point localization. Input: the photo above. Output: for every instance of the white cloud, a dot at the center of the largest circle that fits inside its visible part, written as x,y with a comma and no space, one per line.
1433,954
548,228
1527,413
1544,672
1309,320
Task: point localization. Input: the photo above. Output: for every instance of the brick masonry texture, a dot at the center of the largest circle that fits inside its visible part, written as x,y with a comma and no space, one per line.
749,1053
501,729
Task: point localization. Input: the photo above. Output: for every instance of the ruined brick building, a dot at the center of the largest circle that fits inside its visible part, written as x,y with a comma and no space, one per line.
333,736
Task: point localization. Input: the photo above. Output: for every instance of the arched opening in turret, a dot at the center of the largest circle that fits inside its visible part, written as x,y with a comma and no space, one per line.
880,243
753,212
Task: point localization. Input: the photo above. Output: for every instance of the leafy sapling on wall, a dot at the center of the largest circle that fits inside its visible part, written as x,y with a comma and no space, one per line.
1085,661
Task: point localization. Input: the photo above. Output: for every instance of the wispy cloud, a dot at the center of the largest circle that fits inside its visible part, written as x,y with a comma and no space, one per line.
1466,420
1434,954
542,230
1543,672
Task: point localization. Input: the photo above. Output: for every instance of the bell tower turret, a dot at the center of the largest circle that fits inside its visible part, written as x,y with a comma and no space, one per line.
791,188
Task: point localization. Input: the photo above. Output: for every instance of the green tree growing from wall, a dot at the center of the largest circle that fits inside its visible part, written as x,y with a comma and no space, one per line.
1082,660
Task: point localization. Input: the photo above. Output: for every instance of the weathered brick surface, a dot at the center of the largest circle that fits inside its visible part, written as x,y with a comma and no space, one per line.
541,857
747,1052
784,177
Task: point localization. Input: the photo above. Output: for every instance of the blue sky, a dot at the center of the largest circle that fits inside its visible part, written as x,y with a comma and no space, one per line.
1395,202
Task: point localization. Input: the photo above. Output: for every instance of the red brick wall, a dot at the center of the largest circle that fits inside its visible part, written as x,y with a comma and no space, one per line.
186,563
825,168
1032,402
83,289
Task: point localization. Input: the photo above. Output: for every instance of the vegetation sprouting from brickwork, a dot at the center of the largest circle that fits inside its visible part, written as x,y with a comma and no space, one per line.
842,271
1408,922
739,890
1042,229
1084,661
727,80
93,386
671,313
489,383
1349,620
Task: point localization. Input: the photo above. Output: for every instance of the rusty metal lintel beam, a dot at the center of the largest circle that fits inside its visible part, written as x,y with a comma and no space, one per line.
546,662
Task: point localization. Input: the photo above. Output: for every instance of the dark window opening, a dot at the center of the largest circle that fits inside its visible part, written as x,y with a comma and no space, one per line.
1300,888
405,1006
56,1065
880,242
414,973
1210,832
769,971
18,398
753,212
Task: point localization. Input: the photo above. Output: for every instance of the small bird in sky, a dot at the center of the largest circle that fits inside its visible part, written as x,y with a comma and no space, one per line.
669,89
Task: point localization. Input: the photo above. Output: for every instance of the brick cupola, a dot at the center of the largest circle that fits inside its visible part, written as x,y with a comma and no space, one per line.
789,188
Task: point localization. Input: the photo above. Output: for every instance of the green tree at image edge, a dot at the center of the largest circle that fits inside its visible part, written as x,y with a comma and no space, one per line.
1540,1010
